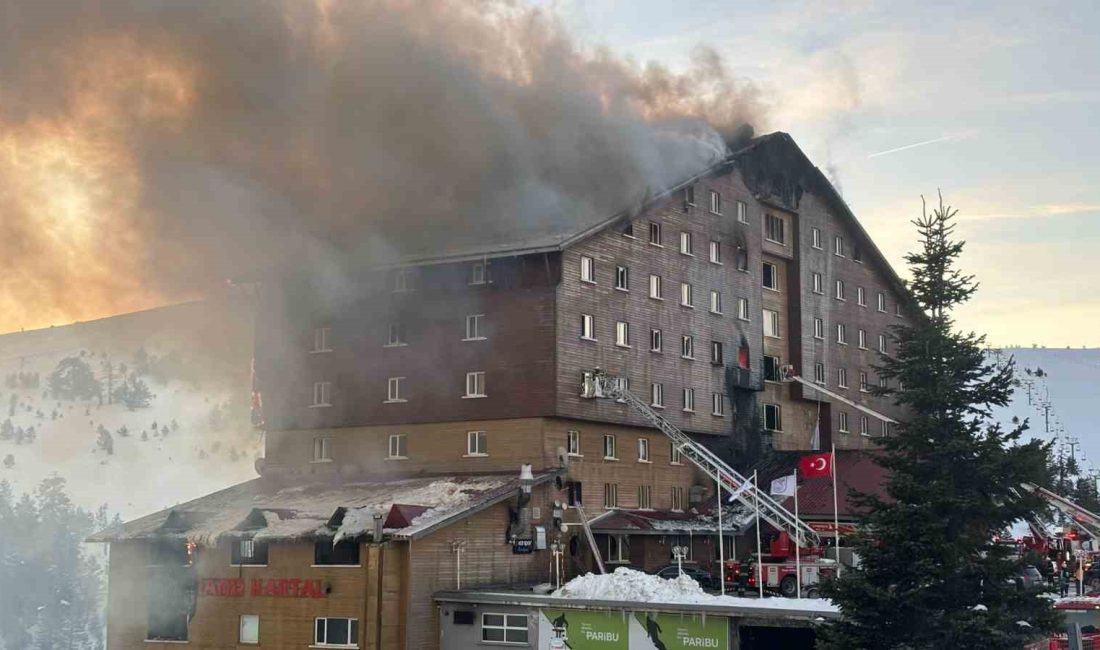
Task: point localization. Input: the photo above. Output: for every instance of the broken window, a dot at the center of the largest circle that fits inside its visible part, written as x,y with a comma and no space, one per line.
248,552
344,553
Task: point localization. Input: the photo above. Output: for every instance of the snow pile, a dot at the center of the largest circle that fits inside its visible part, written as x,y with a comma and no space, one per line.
634,586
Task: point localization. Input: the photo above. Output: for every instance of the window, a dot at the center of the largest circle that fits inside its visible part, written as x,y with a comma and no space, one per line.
771,369
897,308
654,340
401,281
628,229
618,548
610,495
838,246
478,273
504,628
474,327
322,393
819,373
398,446
882,343
325,553
393,389
773,229
715,252
609,447
863,426
685,295
743,357
718,404
884,428
622,334
715,202
321,337
689,400
574,443
643,450
716,356
657,395
862,339
842,377
655,287
687,347
819,328
685,243
322,450
655,233
715,303
742,212
743,308
475,384
771,323
817,284
644,493
861,297
248,552
857,253
815,237
742,258
622,278
840,289
395,335
588,327
769,278
588,269
477,443
337,632
674,454
863,385
773,420
689,195
882,383
843,422
881,301
676,499
250,629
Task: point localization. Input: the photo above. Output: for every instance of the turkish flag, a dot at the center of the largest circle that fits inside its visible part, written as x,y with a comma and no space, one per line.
816,465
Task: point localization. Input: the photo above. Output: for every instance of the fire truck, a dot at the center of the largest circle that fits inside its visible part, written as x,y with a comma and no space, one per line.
776,570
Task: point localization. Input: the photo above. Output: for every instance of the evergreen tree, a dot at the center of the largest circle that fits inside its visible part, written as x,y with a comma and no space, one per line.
73,379
930,575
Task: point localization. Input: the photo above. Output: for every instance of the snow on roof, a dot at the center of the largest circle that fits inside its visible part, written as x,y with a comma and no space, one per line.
734,518
343,511
634,586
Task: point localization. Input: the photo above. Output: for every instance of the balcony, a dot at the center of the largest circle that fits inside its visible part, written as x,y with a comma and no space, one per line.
743,379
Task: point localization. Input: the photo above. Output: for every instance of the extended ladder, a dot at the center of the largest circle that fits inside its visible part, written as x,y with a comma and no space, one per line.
591,538
598,384
1084,518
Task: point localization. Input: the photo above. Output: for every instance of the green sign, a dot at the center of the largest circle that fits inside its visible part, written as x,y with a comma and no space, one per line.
588,630
687,632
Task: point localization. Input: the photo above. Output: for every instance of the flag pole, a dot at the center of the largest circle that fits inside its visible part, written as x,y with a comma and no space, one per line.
721,540
836,512
797,553
759,553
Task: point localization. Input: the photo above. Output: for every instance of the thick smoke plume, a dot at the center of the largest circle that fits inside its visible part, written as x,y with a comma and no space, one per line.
150,148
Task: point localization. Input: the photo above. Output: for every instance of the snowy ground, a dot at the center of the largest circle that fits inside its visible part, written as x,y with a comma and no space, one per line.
634,586
202,439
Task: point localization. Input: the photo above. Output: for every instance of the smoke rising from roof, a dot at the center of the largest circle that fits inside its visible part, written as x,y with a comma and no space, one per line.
151,148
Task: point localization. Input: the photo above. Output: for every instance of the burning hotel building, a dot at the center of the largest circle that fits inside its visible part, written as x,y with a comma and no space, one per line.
398,417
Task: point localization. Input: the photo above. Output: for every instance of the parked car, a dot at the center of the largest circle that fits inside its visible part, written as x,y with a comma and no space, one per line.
1029,579
704,578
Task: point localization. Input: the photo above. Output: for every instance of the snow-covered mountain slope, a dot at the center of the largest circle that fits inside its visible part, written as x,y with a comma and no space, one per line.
1070,384
193,437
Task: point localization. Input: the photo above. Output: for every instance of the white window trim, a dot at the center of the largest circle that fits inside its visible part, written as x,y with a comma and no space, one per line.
691,244
398,399
389,446
720,402
815,238
323,403
324,447
647,458
626,275
472,281
568,437
715,300
614,444
715,246
591,267
690,304
684,395
626,330
468,394
352,645
504,628
325,333
476,454
715,201
742,212
660,288
593,320
474,338
660,235
775,276
743,314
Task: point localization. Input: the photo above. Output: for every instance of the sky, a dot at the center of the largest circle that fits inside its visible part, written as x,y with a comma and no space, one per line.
994,103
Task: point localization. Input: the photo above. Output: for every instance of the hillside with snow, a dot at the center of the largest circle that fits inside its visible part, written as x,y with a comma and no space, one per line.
136,453
1068,380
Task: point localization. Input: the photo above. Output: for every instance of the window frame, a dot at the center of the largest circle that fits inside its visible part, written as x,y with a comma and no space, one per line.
777,410
610,445
687,396
393,390
479,388
477,444
717,353
622,334
588,327
769,220
881,298
687,295
656,289
687,347
479,274
715,252
819,328
689,194
474,320
588,269
838,246
687,243
742,212
841,334
882,343
842,422
656,341
321,342
352,625
402,445
718,405
645,497
622,278
839,290
862,339
655,235
322,449
819,373
675,455
861,296
817,283
395,335
643,451
715,202
815,237
322,394
771,323
241,629
610,495
505,628
716,302
573,443
842,378
657,395
764,266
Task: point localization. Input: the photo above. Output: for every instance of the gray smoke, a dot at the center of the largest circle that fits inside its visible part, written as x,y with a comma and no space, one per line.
154,147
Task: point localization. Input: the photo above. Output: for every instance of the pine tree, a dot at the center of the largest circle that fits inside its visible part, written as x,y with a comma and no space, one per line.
930,575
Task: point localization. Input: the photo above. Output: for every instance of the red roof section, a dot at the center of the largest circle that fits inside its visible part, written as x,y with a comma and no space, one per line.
402,516
856,470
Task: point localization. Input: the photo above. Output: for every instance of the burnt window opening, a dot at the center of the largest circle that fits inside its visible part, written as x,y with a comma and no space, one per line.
171,553
171,590
771,369
249,552
325,553
574,493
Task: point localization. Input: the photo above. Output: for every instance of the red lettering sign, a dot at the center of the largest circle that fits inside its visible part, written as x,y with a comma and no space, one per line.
257,587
